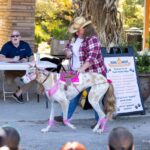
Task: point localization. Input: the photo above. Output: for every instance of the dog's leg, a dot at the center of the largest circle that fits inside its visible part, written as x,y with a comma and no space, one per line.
51,118
61,98
65,105
95,95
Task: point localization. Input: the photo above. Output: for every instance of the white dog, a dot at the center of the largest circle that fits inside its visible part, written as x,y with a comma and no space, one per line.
54,89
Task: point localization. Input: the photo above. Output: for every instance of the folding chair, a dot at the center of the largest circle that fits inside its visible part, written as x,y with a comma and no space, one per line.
8,93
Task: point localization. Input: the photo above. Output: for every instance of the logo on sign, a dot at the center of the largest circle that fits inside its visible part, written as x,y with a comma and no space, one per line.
119,63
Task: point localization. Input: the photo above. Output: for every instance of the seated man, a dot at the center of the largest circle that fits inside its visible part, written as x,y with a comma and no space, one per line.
120,139
16,50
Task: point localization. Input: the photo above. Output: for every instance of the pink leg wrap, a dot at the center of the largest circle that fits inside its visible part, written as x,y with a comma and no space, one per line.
100,122
51,122
103,123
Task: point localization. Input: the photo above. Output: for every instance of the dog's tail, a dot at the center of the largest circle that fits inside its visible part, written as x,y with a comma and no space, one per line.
109,101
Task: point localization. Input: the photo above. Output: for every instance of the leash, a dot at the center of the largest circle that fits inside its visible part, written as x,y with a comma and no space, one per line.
76,87
45,79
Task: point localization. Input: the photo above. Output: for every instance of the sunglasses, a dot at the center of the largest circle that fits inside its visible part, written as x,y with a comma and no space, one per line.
12,36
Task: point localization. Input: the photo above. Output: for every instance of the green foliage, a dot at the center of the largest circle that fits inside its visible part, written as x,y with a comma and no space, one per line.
60,33
40,34
141,2
133,12
51,15
143,63
142,60
133,44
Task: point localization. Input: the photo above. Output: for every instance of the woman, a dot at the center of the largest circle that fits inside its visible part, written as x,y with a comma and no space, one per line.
84,52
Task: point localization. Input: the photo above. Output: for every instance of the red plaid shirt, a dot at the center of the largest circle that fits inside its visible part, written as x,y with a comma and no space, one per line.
90,51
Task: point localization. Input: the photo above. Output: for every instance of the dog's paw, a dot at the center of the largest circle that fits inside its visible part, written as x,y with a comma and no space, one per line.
70,126
96,128
73,127
100,131
44,130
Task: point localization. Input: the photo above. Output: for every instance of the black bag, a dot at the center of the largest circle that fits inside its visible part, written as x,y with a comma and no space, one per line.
84,102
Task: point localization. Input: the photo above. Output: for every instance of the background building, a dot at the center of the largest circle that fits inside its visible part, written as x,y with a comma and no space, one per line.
19,15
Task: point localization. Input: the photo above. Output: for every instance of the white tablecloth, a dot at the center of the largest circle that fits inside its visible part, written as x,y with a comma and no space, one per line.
24,66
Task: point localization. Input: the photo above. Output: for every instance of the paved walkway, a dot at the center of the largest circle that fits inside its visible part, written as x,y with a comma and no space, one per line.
29,118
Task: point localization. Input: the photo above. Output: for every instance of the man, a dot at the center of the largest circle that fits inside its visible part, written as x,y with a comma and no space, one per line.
120,139
14,51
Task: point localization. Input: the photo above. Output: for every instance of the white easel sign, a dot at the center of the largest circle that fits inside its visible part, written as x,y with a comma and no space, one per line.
121,70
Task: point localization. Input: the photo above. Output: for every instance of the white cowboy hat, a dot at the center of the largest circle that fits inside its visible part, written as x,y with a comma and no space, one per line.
79,22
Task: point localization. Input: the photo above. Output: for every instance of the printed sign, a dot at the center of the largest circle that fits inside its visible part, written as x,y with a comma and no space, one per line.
122,72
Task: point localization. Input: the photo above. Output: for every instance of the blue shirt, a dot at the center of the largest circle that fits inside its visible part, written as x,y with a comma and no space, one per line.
10,51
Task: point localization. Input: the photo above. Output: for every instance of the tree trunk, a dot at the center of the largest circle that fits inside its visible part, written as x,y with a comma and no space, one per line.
105,16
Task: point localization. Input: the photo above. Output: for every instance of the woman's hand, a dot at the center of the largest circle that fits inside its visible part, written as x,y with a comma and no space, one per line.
80,70
68,53
85,66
